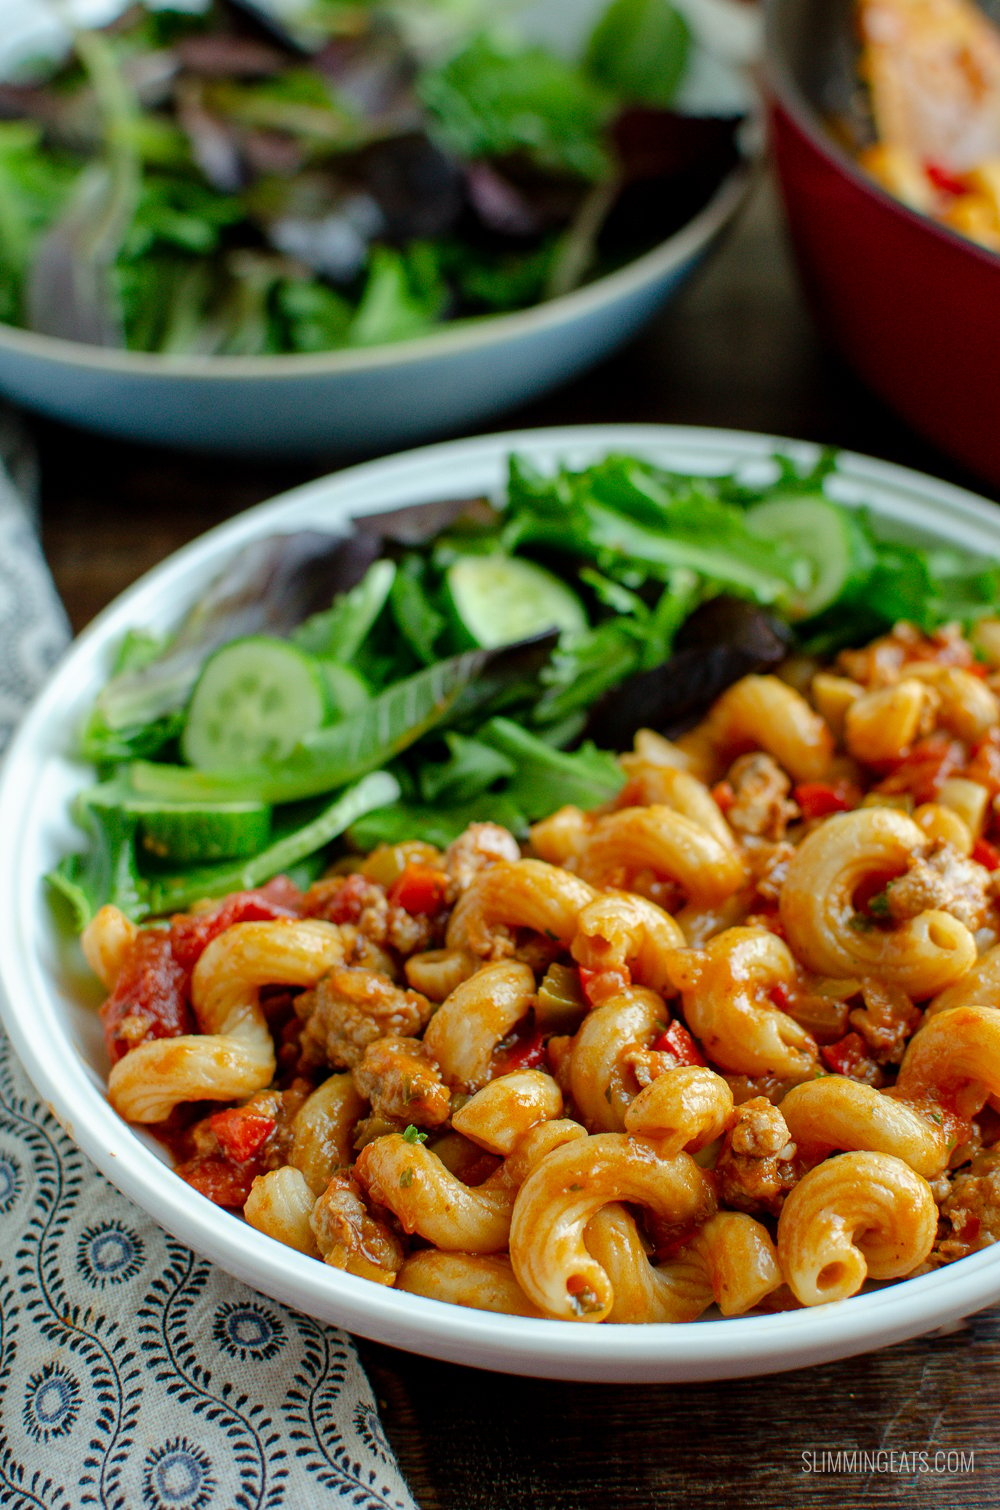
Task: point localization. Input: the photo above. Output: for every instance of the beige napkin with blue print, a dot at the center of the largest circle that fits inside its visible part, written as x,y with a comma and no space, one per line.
133,1374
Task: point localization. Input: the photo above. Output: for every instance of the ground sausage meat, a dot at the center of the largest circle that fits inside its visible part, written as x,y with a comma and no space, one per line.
943,881
755,1167
351,1008
481,844
760,804
355,899
970,1212
350,1238
402,1080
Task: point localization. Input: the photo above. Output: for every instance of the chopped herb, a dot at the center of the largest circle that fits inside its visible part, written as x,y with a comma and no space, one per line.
412,1134
861,923
406,1178
879,904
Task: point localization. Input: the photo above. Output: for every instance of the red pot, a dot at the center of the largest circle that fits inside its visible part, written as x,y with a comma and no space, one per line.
913,307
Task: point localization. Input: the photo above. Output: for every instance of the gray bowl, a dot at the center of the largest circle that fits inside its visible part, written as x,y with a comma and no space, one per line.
379,398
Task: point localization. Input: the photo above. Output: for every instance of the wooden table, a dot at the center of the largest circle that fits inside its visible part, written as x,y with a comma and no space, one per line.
736,350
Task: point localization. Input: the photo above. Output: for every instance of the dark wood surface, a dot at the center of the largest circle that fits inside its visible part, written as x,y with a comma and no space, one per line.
737,350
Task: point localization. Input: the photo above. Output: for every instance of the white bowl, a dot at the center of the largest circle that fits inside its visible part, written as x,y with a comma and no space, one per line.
48,1010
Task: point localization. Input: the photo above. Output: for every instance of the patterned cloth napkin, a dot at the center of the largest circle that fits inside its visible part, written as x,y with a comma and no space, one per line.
133,1374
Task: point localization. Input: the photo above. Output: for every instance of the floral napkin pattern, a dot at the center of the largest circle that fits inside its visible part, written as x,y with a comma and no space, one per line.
133,1374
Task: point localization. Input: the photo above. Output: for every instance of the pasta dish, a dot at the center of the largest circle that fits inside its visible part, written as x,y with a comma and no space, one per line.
725,1039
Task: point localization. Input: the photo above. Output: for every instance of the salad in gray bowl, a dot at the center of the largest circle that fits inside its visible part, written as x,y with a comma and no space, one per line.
278,228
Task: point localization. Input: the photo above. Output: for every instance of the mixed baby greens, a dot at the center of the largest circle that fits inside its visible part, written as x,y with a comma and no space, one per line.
456,661
194,181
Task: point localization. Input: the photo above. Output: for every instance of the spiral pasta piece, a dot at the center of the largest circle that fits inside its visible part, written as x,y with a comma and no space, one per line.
106,941
482,1281
660,840
635,1016
427,1198
499,1115
835,1112
856,1215
517,894
763,712
233,1056
465,1030
624,932
954,1057
726,990
921,956
280,1204
562,1194
685,1108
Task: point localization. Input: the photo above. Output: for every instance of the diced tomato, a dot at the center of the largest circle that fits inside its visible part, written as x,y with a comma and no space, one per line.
191,933
150,998
984,763
242,1131
678,1043
818,799
224,1183
848,1056
944,179
599,986
420,890
985,853
781,996
724,795
524,1052
925,769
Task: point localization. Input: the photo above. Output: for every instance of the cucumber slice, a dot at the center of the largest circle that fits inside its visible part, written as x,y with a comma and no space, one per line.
253,702
827,536
498,600
188,832
347,691
195,833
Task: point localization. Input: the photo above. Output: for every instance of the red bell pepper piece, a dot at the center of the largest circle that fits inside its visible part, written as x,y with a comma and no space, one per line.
678,1043
848,1056
524,1053
599,986
818,799
219,1180
242,1131
945,180
985,853
419,889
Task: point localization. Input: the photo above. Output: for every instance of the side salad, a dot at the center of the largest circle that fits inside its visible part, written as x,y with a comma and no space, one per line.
197,178
463,661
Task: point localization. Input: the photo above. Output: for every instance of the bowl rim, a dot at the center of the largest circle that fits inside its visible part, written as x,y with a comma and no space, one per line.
783,90
29,1009
457,339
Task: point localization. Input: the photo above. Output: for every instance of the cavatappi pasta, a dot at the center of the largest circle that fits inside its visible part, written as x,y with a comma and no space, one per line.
733,1041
